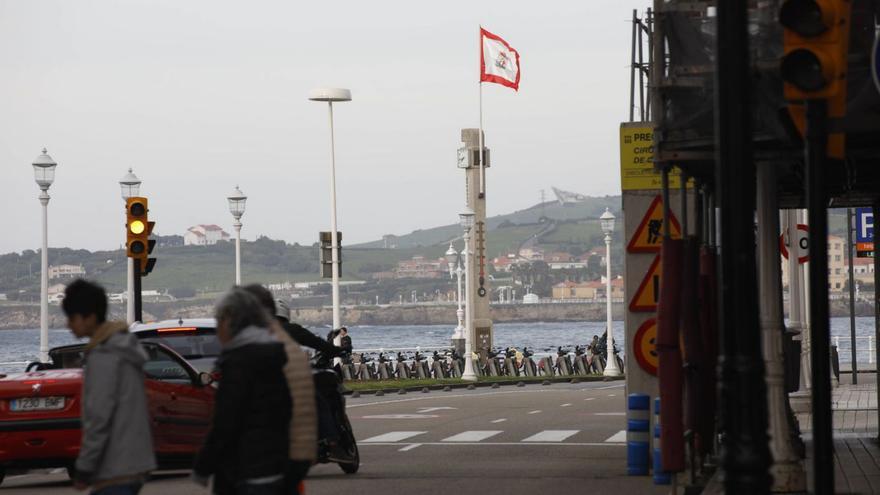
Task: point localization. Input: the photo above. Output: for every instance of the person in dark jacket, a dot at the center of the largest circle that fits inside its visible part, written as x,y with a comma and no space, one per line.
302,335
246,450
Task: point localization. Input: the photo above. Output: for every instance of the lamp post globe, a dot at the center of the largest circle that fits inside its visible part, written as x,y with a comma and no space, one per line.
611,368
451,258
130,186
237,202
44,175
466,218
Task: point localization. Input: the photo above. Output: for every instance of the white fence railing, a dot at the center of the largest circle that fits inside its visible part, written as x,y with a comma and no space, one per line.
864,344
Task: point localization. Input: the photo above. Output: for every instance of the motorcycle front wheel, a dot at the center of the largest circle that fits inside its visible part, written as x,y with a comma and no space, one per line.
352,466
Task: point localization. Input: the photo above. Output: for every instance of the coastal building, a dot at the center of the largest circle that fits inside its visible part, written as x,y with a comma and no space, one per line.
564,261
589,291
838,267
863,270
66,271
532,254
389,241
419,267
504,263
204,235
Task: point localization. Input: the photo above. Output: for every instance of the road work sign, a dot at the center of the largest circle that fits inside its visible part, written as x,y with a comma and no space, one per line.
645,346
648,293
637,159
649,234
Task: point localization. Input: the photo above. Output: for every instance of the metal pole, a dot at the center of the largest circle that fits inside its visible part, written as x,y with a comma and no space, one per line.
804,278
685,232
237,226
745,454
129,291
459,313
138,302
642,109
611,368
852,296
44,280
334,239
794,279
876,211
468,374
823,446
632,70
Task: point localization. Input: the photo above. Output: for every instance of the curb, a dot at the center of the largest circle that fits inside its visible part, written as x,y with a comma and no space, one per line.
485,384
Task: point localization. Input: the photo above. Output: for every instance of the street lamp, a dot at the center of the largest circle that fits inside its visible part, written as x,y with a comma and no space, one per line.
607,222
236,206
453,259
331,95
131,187
467,222
44,175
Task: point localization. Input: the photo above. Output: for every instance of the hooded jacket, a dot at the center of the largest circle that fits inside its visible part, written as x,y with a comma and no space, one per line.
116,439
304,418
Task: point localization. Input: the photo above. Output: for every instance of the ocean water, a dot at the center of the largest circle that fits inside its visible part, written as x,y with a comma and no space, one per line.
543,338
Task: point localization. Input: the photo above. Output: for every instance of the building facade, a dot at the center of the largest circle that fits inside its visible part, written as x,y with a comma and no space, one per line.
204,235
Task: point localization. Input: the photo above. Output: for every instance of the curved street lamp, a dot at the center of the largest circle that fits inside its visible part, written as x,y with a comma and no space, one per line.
237,202
607,223
44,175
131,187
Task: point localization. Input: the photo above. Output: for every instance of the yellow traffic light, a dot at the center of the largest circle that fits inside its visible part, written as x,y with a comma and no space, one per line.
137,235
814,63
136,227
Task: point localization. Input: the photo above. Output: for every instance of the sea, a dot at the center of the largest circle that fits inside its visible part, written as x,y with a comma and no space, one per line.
18,346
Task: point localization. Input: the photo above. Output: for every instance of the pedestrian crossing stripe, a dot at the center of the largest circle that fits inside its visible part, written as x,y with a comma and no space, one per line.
648,293
479,436
648,237
551,436
472,436
394,436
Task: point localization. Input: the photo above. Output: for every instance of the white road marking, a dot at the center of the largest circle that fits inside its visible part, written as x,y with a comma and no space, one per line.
507,444
394,436
535,412
401,416
551,436
501,420
612,395
410,447
590,398
58,471
472,436
619,437
470,395
432,409
610,414
564,405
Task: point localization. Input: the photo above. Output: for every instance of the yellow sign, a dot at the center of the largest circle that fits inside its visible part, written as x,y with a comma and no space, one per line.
649,235
637,159
648,294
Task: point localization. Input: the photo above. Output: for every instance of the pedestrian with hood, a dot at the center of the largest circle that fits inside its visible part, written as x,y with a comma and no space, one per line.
246,450
303,448
116,451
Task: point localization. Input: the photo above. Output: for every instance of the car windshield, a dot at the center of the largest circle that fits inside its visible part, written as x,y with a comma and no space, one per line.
190,343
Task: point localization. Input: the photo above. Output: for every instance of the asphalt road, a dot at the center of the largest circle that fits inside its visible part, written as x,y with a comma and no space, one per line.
534,439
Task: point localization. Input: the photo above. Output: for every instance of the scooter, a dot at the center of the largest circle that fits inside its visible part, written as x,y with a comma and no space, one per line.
336,442
563,365
528,366
383,368
420,367
401,368
581,365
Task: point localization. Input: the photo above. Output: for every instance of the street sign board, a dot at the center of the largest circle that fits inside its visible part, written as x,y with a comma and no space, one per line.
864,232
803,240
648,293
637,159
645,346
649,235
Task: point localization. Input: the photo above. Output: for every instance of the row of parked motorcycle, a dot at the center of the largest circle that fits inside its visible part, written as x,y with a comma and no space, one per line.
447,363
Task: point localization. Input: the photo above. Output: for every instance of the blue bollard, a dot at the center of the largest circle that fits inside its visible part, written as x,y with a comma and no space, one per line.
660,477
638,428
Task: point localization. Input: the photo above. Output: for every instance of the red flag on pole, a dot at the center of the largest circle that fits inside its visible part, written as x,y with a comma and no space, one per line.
499,62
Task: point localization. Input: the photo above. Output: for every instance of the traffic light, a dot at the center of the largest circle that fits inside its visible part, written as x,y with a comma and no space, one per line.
138,229
814,62
327,253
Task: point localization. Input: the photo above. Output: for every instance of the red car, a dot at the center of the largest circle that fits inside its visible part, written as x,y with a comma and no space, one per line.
40,410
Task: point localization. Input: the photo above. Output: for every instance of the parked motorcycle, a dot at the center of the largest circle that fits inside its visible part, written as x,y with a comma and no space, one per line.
336,443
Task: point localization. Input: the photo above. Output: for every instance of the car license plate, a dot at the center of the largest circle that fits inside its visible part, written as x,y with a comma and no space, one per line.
37,404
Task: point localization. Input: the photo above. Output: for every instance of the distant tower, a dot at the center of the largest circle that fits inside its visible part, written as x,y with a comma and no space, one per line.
543,200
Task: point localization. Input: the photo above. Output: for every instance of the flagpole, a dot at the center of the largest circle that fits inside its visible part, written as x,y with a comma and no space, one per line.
481,154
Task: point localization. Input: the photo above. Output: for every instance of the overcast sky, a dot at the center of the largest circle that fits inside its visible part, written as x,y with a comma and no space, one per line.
198,96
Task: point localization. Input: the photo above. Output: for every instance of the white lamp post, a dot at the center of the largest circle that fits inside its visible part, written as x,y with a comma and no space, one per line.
467,221
44,175
455,270
607,221
236,206
131,187
331,95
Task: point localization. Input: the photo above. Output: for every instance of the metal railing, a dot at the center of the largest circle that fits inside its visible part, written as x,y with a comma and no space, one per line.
859,348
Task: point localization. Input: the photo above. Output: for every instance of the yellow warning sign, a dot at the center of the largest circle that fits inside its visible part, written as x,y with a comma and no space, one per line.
637,159
649,235
648,293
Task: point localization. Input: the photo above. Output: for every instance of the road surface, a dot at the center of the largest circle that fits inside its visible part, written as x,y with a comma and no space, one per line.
511,440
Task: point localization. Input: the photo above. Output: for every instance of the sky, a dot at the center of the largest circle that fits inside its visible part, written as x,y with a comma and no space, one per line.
199,96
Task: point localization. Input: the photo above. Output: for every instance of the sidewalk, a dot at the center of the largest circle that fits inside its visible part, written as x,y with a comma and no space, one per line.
856,451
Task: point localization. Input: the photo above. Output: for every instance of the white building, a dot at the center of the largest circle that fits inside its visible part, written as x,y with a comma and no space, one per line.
204,235
66,271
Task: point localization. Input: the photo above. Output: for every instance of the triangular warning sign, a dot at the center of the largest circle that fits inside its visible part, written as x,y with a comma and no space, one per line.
649,236
648,294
